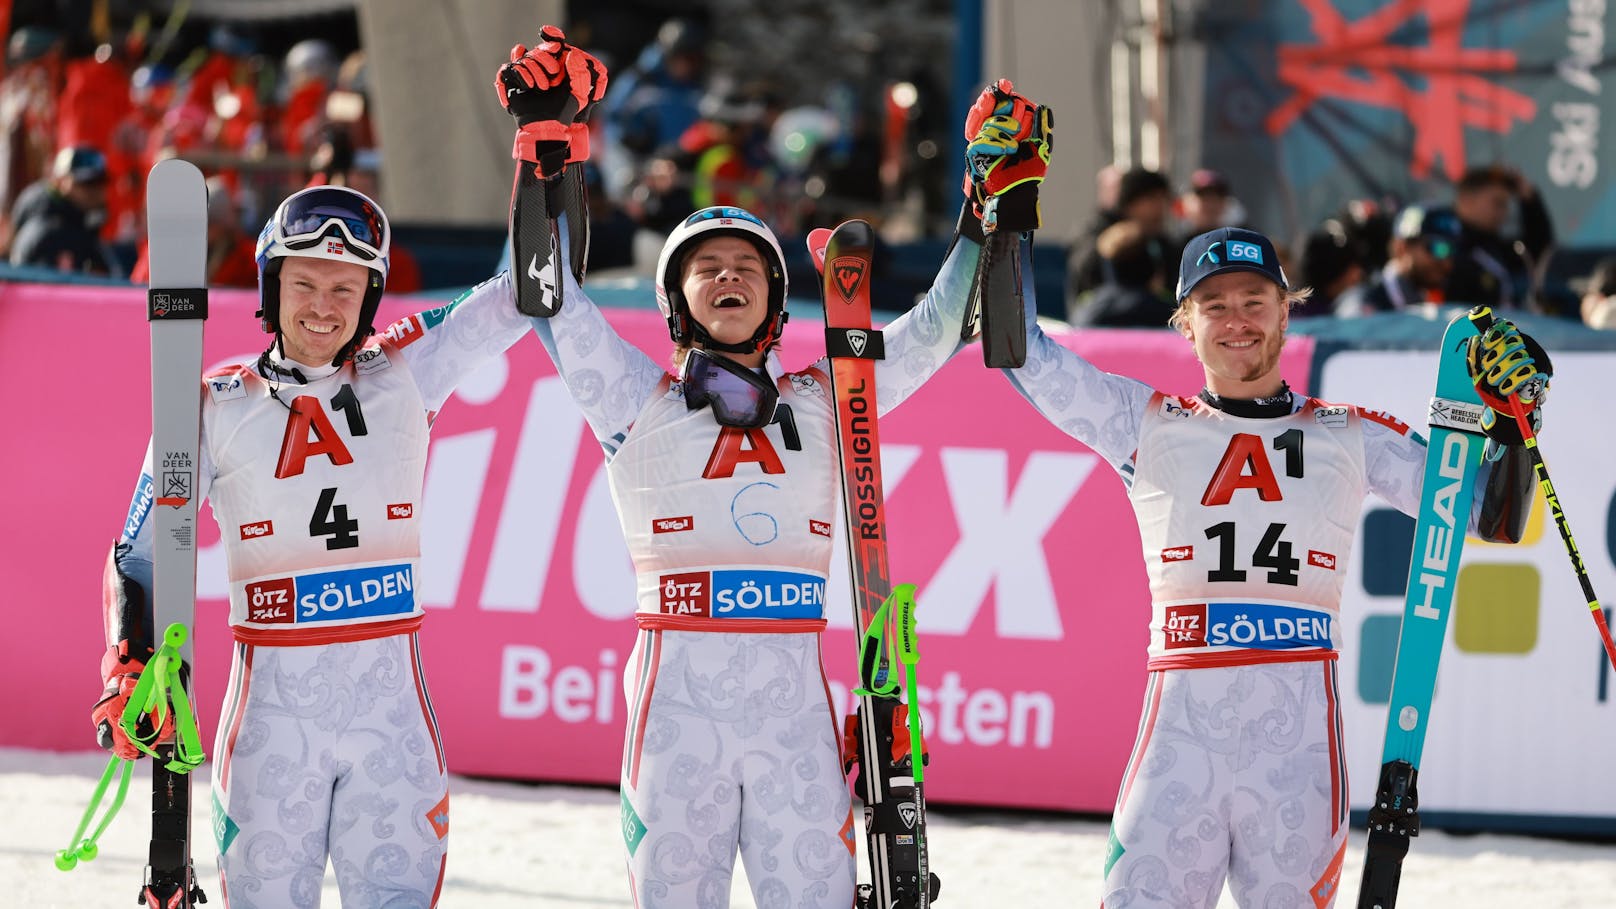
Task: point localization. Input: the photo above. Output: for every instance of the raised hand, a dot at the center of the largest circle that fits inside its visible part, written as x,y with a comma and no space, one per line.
550,90
1010,140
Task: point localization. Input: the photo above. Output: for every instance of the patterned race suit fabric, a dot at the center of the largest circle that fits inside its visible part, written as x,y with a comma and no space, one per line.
731,736
328,743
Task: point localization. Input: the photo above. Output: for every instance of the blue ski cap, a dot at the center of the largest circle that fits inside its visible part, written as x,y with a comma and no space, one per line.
1224,250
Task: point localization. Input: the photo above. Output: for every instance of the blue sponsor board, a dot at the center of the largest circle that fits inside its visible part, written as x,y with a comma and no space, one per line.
767,595
1265,626
355,593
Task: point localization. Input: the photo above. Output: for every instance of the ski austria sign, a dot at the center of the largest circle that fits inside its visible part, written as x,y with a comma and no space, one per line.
1032,596
1371,99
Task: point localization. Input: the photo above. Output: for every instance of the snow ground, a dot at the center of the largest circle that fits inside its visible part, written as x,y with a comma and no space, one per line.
517,845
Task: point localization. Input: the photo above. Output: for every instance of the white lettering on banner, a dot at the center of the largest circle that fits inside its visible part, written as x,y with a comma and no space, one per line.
984,717
602,570
895,463
1438,546
1574,145
456,469
575,695
1001,544
530,517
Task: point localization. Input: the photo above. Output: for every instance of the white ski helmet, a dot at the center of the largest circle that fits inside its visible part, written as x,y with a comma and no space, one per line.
719,221
325,222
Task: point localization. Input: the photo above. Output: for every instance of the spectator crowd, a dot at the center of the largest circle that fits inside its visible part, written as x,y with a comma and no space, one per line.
83,124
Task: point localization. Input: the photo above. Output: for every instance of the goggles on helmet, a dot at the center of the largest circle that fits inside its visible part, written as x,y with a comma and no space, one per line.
738,396
316,216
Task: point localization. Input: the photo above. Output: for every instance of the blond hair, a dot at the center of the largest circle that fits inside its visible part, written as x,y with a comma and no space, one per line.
1180,318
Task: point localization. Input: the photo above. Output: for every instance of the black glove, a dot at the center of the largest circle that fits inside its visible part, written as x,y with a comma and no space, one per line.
550,90
1506,363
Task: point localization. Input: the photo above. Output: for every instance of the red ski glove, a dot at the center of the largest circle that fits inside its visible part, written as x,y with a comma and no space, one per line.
1010,142
550,90
122,672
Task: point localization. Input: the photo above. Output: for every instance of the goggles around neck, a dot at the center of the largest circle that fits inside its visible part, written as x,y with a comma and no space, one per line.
738,396
308,218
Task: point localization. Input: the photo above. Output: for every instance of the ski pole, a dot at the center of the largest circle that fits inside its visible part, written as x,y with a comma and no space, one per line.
82,848
909,655
159,685
1482,318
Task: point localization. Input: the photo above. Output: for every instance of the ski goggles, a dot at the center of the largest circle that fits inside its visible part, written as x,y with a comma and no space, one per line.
308,218
738,396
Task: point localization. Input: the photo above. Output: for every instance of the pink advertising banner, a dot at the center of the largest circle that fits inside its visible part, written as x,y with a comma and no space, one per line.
1033,604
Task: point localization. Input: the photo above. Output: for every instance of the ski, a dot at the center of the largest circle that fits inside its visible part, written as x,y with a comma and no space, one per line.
882,737
177,307
1452,461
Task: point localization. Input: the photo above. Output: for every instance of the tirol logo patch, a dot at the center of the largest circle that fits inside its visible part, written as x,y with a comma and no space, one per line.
848,273
258,529
673,525
400,511
819,528
1321,559
1178,554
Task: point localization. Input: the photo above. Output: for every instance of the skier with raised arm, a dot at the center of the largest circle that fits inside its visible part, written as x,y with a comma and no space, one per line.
313,457
723,468
1248,497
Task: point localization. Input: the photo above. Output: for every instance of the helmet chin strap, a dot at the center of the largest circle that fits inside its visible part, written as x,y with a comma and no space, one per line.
765,337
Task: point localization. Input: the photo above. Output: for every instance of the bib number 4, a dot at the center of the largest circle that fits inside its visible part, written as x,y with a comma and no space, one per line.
331,520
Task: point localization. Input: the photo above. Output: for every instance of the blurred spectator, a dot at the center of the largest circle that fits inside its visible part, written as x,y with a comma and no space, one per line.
1209,204
28,99
95,97
1144,197
611,230
58,219
1132,294
1330,266
726,152
650,105
232,254
129,156
1599,296
309,70
1368,228
1424,245
1499,271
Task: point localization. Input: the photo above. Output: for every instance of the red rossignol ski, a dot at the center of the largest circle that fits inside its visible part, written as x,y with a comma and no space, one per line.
877,748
